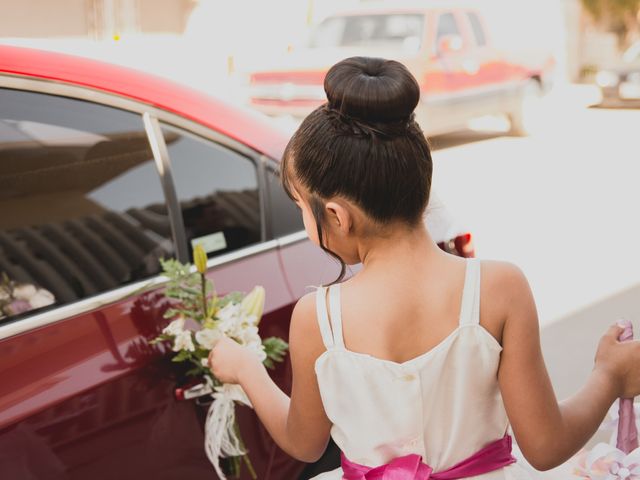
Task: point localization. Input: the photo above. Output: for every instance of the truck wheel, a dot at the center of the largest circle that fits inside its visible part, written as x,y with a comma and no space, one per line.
526,115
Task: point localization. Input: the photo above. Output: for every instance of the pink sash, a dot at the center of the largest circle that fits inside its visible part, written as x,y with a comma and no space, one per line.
410,467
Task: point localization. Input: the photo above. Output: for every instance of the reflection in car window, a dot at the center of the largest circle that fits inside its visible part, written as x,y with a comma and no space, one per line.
447,25
476,27
217,190
81,204
285,215
400,31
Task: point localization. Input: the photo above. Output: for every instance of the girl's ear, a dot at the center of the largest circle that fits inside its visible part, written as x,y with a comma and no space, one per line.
339,218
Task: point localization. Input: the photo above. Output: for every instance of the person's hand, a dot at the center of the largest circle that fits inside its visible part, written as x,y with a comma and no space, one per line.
620,361
228,359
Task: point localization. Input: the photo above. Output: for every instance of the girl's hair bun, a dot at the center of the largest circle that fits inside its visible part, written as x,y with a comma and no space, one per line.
372,89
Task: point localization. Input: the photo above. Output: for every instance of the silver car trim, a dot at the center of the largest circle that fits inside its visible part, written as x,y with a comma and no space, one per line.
292,238
64,312
265,202
161,157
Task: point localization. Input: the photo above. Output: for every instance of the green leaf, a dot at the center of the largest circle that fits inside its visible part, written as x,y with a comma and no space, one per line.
201,353
276,349
232,297
181,356
195,372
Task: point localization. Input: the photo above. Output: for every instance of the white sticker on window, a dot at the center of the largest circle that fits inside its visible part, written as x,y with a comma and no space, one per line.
211,243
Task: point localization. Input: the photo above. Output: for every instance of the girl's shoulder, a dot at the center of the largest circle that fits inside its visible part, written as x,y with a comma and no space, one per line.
304,329
503,287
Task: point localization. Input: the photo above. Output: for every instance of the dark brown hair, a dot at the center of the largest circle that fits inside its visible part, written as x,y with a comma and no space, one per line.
363,145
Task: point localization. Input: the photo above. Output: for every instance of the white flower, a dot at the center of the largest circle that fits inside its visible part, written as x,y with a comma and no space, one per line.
258,349
247,334
251,319
207,337
24,291
42,298
174,328
183,341
205,362
229,318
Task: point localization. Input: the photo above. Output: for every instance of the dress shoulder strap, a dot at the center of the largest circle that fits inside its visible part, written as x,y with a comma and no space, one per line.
470,308
323,317
335,311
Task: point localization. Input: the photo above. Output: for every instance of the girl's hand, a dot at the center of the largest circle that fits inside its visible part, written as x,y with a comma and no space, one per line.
620,361
228,359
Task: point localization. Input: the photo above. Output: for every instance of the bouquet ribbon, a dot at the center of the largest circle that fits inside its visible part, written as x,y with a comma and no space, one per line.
627,431
220,436
410,467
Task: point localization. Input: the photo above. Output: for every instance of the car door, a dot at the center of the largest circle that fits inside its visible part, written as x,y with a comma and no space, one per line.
86,215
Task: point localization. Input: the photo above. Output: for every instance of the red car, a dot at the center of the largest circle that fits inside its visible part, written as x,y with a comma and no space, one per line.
104,170
448,48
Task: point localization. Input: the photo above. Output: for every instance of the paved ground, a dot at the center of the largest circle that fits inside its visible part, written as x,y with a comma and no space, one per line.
563,205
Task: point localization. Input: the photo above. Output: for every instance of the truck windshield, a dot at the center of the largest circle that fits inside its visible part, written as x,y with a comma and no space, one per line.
403,31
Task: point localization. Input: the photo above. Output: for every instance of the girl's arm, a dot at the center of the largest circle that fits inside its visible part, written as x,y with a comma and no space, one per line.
549,432
298,424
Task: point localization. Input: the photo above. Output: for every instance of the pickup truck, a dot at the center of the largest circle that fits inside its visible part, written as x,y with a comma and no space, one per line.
448,49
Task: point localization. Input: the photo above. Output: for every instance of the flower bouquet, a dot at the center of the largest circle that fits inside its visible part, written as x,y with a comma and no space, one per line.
200,319
622,461
16,298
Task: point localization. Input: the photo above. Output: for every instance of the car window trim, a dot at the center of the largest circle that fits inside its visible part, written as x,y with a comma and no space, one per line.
163,166
64,312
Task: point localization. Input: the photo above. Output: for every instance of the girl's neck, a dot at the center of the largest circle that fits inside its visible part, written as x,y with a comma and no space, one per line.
400,243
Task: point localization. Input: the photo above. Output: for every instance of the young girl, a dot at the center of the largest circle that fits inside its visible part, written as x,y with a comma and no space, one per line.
420,361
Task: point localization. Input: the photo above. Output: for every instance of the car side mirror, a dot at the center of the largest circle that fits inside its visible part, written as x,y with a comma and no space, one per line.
449,44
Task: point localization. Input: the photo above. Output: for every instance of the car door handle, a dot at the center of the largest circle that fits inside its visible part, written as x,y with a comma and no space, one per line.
189,392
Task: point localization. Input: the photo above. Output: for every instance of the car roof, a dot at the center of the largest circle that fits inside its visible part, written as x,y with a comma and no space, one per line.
241,124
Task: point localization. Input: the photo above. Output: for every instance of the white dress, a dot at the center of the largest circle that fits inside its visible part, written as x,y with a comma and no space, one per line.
444,405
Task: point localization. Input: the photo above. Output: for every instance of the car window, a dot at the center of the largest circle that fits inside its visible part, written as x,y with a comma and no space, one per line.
402,31
476,27
81,204
218,192
285,215
447,25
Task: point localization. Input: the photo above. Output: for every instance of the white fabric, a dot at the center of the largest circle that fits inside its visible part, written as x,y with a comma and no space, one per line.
444,404
220,438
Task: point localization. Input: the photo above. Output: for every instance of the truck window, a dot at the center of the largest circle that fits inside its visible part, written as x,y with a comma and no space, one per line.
400,30
476,27
447,25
